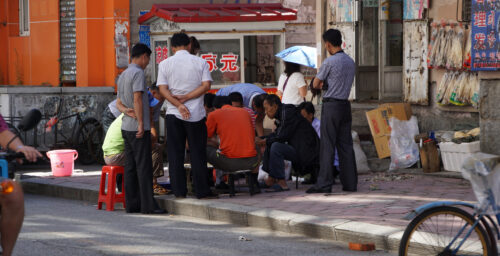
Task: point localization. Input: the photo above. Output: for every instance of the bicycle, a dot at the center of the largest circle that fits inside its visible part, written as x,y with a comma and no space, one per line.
86,135
449,228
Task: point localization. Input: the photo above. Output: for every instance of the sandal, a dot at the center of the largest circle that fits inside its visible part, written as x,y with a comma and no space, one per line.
159,190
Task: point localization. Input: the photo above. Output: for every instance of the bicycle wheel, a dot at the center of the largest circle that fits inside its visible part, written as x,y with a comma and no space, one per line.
432,233
86,140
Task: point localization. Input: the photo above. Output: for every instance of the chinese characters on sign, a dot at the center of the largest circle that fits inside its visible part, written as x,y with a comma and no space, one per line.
229,62
485,50
161,53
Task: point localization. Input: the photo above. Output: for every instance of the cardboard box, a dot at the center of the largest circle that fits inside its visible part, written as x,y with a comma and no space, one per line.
378,120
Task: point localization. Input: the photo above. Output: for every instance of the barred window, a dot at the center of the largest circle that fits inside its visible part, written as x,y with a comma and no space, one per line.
24,18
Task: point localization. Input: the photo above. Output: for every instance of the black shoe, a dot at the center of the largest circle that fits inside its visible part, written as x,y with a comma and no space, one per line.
157,211
312,190
210,195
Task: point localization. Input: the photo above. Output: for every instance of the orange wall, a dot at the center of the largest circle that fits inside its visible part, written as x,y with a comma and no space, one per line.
95,46
33,59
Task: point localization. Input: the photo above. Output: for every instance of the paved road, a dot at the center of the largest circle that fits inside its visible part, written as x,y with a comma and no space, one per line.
64,227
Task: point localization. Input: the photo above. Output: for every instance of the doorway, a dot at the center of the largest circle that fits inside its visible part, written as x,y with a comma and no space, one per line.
379,51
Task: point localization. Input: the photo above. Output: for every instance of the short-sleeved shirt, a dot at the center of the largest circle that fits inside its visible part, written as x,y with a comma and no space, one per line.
114,109
3,124
291,93
252,114
234,127
248,91
184,73
133,80
113,142
338,70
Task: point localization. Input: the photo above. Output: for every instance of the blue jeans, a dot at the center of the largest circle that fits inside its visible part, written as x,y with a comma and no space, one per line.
280,152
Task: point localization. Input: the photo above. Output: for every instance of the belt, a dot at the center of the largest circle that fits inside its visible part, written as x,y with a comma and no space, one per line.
325,99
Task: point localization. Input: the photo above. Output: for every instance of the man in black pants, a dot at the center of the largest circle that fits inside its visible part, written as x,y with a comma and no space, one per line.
136,132
338,71
183,79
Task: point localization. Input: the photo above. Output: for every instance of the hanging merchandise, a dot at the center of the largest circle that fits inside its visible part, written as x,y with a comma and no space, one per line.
433,41
459,89
475,81
467,56
455,51
441,90
448,46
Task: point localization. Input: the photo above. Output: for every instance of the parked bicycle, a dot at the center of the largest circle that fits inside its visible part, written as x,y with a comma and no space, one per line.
86,134
460,228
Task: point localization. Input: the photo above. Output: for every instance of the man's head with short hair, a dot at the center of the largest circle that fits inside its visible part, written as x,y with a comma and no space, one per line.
208,100
307,110
140,55
180,41
236,99
156,92
258,103
220,101
333,40
271,105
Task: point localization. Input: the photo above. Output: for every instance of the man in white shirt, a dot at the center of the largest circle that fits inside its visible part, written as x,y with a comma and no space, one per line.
183,79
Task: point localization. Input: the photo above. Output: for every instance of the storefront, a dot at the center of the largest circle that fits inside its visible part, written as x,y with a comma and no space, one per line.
227,36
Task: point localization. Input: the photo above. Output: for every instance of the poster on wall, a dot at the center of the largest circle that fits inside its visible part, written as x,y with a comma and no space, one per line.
415,72
485,47
342,10
160,52
414,9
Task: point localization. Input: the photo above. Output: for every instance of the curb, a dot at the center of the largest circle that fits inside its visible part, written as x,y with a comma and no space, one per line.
342,230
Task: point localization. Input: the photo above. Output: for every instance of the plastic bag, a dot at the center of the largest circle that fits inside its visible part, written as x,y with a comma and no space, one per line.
404,150
361,160
483,172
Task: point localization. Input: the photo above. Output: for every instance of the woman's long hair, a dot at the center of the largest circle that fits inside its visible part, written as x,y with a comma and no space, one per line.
291,68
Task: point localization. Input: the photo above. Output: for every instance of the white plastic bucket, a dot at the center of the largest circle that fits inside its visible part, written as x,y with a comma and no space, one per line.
62,161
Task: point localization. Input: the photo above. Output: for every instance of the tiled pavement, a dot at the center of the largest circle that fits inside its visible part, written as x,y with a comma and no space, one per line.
382,198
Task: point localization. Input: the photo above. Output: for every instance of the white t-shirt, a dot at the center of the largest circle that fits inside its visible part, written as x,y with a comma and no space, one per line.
291,93
183,73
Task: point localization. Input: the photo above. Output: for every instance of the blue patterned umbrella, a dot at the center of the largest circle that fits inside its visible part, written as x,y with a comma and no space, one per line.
303,55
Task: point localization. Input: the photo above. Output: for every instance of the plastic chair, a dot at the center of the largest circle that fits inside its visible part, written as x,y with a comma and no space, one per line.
110,198
5,168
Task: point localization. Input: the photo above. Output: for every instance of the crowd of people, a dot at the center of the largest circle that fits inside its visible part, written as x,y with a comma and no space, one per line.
226,130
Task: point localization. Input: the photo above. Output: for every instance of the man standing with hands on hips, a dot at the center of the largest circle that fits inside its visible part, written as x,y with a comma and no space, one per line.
336,119
183,79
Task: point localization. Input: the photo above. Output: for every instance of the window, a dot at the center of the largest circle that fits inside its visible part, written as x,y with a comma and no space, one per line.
24,18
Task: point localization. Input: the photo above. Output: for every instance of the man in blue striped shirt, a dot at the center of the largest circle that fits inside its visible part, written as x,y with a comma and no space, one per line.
336,120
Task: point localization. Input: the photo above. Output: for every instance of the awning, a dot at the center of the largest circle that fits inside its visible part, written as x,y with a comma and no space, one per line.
191,13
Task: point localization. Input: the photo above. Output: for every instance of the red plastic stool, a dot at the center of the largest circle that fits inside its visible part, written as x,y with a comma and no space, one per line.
111,197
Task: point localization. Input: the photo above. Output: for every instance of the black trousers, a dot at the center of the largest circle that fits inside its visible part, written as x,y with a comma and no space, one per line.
138,173
196,133
336,122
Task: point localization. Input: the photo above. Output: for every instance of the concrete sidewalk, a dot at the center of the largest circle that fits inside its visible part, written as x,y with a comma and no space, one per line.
373,214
